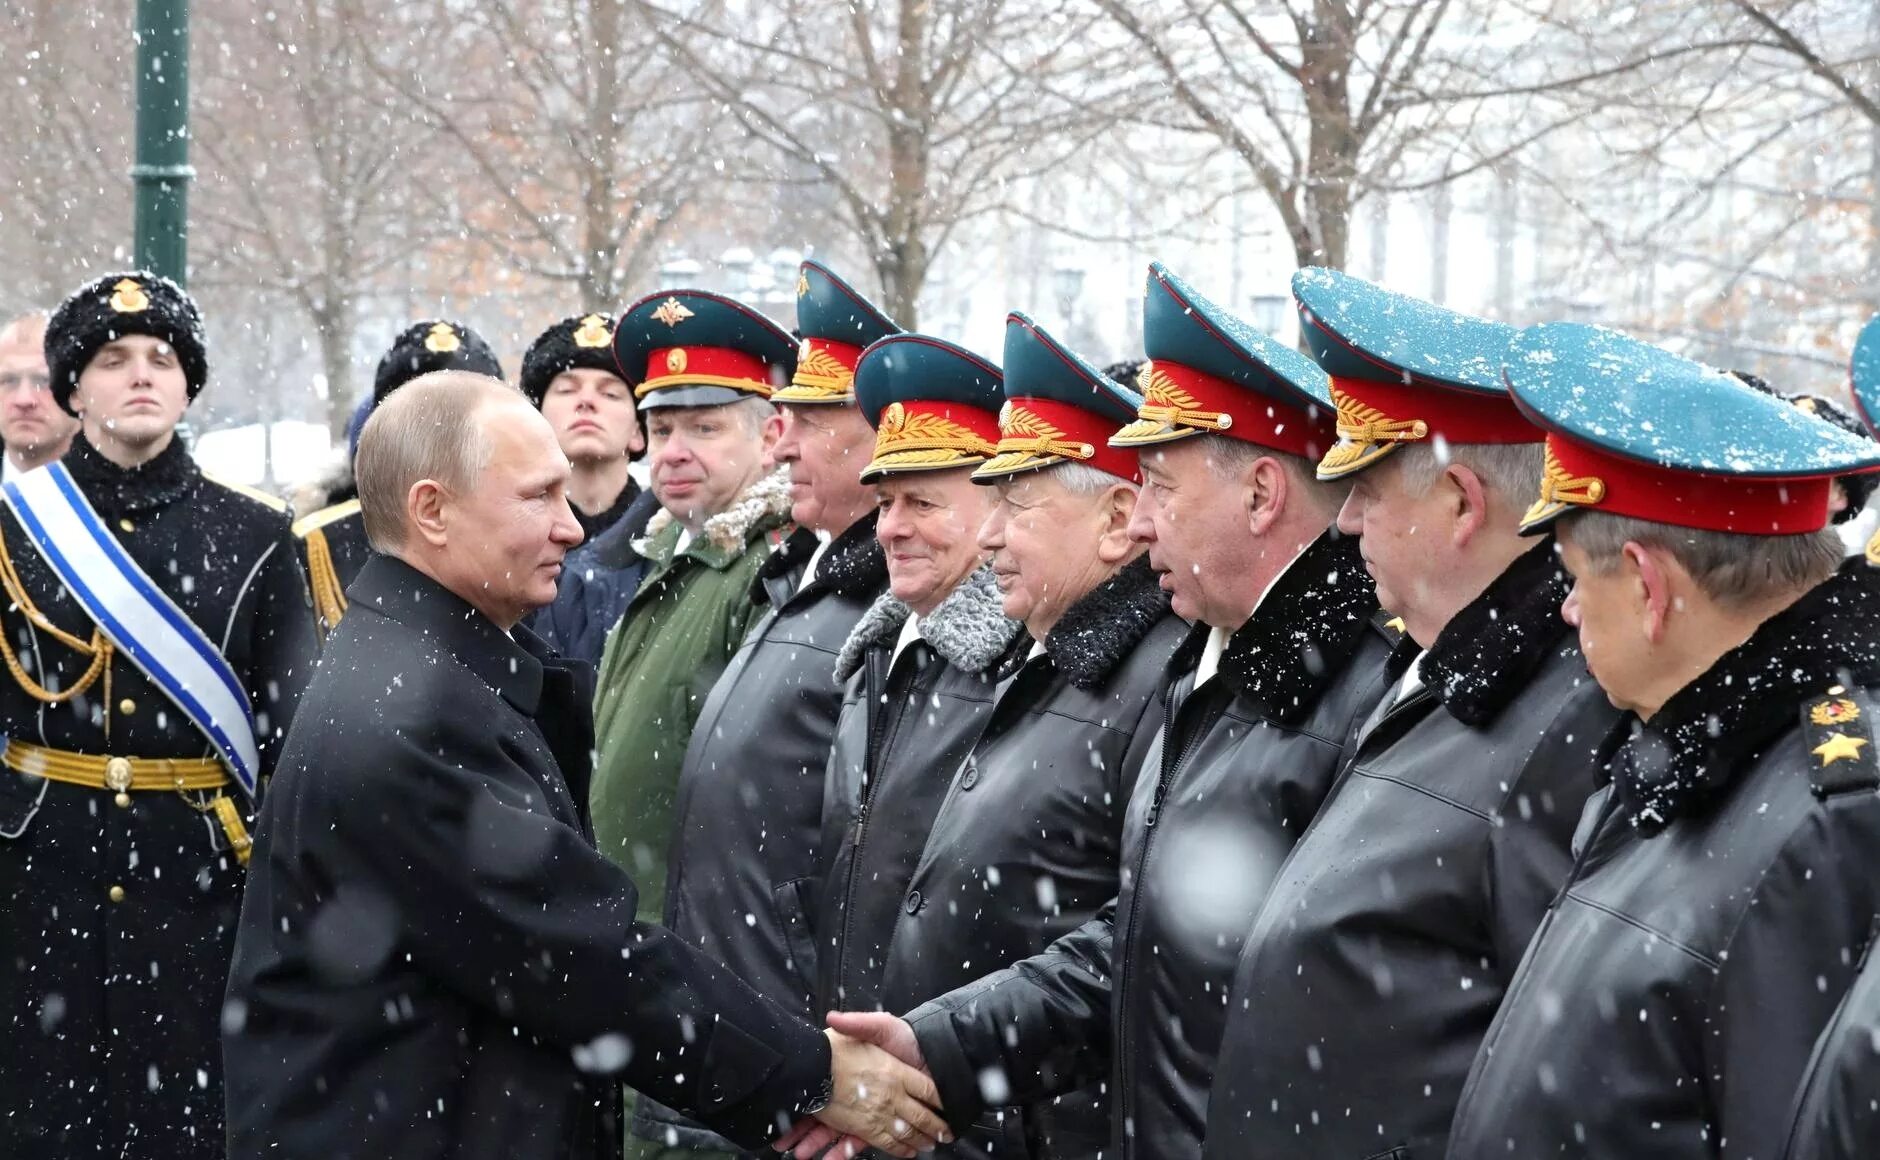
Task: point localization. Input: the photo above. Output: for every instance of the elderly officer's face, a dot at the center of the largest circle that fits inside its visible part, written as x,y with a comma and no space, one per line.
825,446
132,392
1195,521
593,416
30,420
927,528
1052,546
507,535
1404,542
1607,608
702,457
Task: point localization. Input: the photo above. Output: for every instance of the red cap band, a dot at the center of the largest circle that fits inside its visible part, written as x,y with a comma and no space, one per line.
676,366
1579,475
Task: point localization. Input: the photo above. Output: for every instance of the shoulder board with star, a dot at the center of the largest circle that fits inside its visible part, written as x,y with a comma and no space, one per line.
1837,728
314,521
273,501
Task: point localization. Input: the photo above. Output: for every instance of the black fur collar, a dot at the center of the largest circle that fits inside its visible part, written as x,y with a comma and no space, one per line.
1098,632
1693,747
1488,651
852,566
119,491
1305,630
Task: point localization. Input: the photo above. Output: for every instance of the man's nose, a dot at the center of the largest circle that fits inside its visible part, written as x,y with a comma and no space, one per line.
1142,520
567,530
1351,515
992,532
1570,607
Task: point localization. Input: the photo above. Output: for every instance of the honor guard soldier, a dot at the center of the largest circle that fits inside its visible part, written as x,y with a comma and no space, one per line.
749,811
1836,1115
1256,704
334,538
1725,879
569,373
157,632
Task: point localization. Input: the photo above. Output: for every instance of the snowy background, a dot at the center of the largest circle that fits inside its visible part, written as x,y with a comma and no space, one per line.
1702,173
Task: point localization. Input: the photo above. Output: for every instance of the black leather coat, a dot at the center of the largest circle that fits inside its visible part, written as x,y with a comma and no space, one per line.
1385,946
1233,778
742,881
1670,1001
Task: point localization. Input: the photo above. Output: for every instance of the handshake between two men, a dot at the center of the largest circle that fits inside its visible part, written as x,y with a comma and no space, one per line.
876,1101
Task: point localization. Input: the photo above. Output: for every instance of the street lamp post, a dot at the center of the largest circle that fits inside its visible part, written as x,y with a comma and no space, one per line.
162,172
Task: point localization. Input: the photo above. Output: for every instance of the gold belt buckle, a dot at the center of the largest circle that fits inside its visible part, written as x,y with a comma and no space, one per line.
117,774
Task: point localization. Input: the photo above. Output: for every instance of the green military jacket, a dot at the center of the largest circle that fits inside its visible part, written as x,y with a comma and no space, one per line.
678,633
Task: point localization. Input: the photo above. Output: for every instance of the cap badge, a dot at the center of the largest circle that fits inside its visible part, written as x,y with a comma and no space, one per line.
672,312
127,297
1837,711
802,285
893,419
675,359
592,332
442,339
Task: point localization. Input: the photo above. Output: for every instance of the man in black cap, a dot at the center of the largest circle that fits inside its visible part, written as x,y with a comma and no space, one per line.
156,628
569,373
333,539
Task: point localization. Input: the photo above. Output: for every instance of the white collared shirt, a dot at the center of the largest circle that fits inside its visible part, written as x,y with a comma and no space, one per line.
1412,680
1210,664
815,558
910,632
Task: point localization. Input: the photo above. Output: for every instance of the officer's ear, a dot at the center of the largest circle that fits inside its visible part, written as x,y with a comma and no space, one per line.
1116,507
1266,488
1651,572
424,512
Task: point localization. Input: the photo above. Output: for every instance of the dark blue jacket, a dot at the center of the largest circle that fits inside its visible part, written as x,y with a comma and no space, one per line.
598,579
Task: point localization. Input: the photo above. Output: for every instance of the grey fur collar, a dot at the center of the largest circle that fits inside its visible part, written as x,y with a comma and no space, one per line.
728,531
969,629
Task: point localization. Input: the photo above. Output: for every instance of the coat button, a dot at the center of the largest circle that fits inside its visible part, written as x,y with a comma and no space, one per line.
127,525
123,801
127,706
117,894
913,902
971,777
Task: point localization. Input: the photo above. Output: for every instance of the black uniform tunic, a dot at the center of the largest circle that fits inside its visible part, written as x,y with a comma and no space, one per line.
116,922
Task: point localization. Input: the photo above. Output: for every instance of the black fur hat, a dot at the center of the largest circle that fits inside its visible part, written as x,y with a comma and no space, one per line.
433,345
108,308
584,341
1859,488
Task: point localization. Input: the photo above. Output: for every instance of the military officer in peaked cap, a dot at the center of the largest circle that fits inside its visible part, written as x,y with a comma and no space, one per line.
157,631
1382,951
1725,879
1835,1116
1025,846
333,538
742,880
1256,705
921,665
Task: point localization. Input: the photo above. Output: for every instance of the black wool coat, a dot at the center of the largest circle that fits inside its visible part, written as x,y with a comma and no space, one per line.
742,881
1384,947
110,1009
1725,887
433,959
1232,779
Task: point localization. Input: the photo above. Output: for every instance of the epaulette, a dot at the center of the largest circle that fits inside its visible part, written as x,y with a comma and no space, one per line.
1389,625
254,493
1840,737
314,521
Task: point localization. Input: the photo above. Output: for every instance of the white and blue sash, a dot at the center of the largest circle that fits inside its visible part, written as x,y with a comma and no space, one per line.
137,616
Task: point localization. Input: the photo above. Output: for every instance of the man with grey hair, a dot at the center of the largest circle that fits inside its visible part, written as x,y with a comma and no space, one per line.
433,960
1286,654
1384,949
1728,880
33,427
